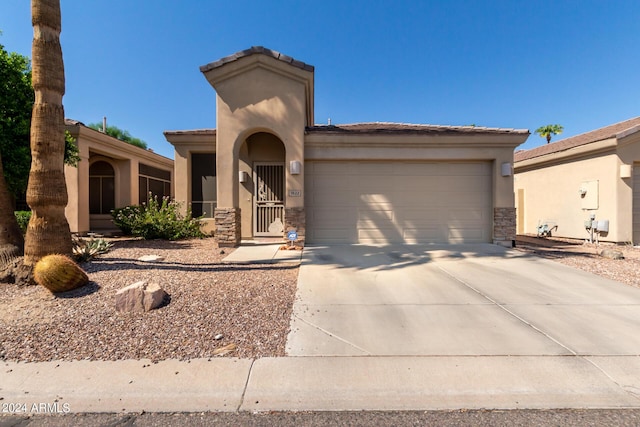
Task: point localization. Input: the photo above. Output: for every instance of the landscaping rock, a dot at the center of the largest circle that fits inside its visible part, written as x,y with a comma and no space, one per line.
139,297
151,258
611,254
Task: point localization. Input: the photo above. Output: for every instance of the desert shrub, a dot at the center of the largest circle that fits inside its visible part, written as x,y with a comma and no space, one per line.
84,250
23,218
157,220
125,218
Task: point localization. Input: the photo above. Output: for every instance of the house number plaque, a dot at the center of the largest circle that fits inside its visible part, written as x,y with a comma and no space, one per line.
295,193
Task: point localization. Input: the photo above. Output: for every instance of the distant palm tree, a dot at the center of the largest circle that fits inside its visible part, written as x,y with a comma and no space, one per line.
48,230
548,131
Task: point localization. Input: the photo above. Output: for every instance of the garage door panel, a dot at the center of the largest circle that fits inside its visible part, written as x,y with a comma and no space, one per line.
422,234
471,235
333,235
466,215
383,235
334,218
370,184
323,199
427,215
385,213
373,168
401,202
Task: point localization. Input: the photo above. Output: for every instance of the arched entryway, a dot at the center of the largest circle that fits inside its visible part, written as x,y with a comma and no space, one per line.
262,185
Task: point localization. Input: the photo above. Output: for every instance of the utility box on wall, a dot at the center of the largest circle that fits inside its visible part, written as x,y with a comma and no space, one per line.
589,194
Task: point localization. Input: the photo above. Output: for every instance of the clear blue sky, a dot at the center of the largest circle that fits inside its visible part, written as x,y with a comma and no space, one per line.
508,63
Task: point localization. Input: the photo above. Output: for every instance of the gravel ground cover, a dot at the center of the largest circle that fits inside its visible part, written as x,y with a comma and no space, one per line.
586,256
249,305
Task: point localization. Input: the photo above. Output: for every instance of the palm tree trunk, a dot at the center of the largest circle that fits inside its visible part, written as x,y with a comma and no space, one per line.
11,241
48,230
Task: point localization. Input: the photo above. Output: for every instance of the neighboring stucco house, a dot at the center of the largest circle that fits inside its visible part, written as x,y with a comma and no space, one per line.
566,182
111,174
267,168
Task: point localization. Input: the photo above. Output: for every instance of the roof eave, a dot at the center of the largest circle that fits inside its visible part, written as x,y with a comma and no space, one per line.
592,148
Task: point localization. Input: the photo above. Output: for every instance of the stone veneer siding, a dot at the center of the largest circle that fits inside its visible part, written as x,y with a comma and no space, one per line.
227,226
504,226
294,218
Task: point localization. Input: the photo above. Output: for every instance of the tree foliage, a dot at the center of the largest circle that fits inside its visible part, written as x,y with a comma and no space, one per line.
120,134
16,105
16,102
548,131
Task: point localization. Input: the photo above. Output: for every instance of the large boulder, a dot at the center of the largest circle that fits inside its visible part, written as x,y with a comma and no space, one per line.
140,297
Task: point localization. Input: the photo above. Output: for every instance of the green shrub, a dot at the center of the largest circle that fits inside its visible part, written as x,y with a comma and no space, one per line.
157,220
23,218
125,218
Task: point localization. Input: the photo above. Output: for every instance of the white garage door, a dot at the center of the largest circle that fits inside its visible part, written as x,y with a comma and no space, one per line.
396,202
636,204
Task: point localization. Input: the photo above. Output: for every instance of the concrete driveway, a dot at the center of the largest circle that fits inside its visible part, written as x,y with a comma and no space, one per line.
461,300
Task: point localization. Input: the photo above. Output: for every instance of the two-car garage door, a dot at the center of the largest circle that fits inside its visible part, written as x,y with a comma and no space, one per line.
398,202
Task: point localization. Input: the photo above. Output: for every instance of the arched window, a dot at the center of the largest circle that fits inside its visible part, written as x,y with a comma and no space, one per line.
102,195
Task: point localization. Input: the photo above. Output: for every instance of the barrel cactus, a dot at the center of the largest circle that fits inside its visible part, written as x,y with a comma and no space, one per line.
59,273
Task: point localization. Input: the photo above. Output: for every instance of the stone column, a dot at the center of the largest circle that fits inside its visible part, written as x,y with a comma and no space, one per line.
294,218
227,226
504,226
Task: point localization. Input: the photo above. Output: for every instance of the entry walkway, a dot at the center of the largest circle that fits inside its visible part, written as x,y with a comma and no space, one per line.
267,251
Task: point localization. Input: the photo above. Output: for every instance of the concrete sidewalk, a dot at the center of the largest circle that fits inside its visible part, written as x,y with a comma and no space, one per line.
322,383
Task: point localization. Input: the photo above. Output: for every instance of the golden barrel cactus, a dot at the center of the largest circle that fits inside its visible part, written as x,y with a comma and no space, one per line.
59,273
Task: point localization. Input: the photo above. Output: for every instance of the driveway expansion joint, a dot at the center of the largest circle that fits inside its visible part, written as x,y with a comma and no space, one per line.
324,331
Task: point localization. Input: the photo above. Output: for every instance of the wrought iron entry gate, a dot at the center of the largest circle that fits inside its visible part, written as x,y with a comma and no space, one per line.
268,215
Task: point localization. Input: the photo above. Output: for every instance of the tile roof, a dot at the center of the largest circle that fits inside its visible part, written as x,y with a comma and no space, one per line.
406,128
253,51
191,132
71,122
578,140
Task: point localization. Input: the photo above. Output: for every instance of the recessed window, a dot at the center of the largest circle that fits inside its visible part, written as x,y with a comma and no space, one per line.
203,184
153,180
102,195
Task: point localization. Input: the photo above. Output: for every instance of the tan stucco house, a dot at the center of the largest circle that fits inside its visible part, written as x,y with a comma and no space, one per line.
596,174
267,168
111,174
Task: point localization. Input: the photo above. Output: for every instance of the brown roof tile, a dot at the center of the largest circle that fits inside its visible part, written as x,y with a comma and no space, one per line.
406,128
578,140
260,50
191,132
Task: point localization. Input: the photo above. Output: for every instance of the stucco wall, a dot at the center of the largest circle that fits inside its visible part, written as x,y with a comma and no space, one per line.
258,101
551,194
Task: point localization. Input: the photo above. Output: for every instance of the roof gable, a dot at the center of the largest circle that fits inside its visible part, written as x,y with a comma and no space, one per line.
256,50
601,134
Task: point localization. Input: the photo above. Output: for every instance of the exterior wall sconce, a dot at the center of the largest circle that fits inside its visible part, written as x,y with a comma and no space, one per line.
626,171
295,167
506,169
243,176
